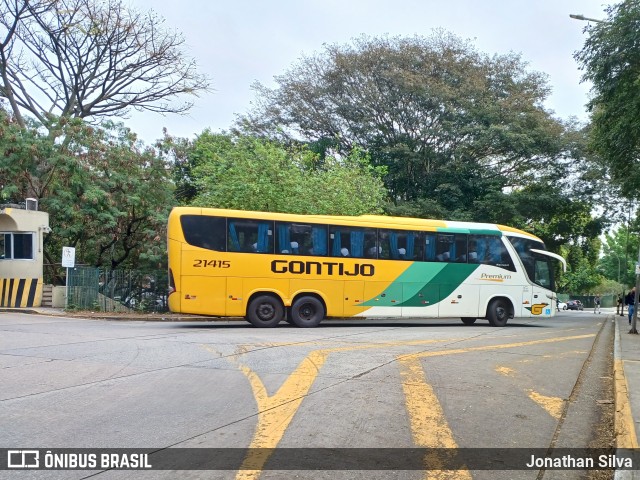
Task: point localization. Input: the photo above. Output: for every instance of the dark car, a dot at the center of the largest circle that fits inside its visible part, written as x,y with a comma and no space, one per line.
574,305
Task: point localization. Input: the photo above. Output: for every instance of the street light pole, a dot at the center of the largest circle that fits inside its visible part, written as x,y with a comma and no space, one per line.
634,320
586,19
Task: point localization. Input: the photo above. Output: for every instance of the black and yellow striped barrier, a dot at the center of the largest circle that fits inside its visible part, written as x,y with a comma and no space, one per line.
20,292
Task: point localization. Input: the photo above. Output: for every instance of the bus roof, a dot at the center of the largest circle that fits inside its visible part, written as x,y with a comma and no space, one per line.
373,221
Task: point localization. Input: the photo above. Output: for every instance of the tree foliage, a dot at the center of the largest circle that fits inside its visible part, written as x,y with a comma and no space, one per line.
610,59
105,195
619,255
462,135
433,110
582,276
242,172
90,58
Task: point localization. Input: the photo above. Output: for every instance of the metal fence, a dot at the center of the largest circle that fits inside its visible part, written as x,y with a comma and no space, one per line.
93,288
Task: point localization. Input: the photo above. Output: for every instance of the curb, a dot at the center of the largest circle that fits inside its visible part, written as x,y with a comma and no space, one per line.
624,429
19,310
111,316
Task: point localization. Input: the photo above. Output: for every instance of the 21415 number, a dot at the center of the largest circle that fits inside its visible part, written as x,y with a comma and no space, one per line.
212,263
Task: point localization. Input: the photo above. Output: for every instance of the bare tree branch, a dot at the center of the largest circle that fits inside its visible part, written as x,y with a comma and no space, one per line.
90,58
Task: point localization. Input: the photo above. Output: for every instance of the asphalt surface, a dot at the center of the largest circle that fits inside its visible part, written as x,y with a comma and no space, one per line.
72,382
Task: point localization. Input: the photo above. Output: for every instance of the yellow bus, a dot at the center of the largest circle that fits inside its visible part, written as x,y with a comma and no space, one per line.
269,267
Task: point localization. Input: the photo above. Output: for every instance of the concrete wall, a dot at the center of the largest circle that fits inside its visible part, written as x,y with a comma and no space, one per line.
58,297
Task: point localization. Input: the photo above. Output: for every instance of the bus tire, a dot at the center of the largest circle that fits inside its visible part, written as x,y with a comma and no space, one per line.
468,320
307,312
498,312
265,311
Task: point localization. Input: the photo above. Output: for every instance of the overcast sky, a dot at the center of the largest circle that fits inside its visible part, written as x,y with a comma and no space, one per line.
237,42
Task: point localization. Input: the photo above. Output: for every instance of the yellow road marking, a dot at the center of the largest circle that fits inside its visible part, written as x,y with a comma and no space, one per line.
495,347
509,372
624,428
428,423
275,412
429,426
553,405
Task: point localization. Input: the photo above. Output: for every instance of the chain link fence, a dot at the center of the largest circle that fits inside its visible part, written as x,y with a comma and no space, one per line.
98,289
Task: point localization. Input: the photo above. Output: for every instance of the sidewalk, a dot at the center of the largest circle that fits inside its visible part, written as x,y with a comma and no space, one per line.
122,316
627,389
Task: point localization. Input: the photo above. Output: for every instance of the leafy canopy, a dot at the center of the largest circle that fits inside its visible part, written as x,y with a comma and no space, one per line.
610,59
105,194
243,172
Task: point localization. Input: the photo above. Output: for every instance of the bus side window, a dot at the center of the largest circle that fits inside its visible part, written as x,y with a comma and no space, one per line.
283,239
460,248
250,236
445,248
352,242
498,254
399,245
204,231
319,240
430,247
300,239
491,251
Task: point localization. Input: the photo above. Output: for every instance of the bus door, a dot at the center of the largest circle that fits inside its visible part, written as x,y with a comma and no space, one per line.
536,302
527,301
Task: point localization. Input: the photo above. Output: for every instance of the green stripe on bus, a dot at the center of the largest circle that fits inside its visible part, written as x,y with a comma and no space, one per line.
452,230
424,284
441,286
470,231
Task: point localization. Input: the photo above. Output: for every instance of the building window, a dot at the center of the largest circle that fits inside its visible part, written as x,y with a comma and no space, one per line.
17,246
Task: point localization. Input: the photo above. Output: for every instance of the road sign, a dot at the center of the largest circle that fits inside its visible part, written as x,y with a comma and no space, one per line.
68,257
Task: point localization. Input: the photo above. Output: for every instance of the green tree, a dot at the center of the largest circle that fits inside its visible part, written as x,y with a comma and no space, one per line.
449,123
246,173
582,276
105,194
620,253
610,59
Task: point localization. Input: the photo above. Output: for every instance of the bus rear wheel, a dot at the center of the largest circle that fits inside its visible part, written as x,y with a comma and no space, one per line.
307,312
265,311
468,320
498,312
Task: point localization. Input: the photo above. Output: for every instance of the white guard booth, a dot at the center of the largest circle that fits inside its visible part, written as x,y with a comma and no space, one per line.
22,228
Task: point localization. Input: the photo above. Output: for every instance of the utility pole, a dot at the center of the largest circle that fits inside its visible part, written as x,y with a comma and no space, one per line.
634,320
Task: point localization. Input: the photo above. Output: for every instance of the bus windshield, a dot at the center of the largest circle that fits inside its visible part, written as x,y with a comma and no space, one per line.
539,267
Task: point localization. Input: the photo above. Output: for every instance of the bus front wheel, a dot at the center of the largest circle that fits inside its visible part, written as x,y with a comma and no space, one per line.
468,320
307,312
498,312
265,311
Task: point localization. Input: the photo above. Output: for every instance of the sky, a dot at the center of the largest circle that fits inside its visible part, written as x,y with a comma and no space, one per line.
238,42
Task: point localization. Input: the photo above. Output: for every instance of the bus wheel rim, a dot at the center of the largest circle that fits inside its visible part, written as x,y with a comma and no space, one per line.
307,311
266,311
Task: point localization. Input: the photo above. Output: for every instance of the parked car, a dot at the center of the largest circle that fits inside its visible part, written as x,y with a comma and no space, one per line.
562,306
574,305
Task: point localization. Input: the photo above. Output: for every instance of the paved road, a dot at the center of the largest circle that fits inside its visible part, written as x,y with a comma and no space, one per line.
69,382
